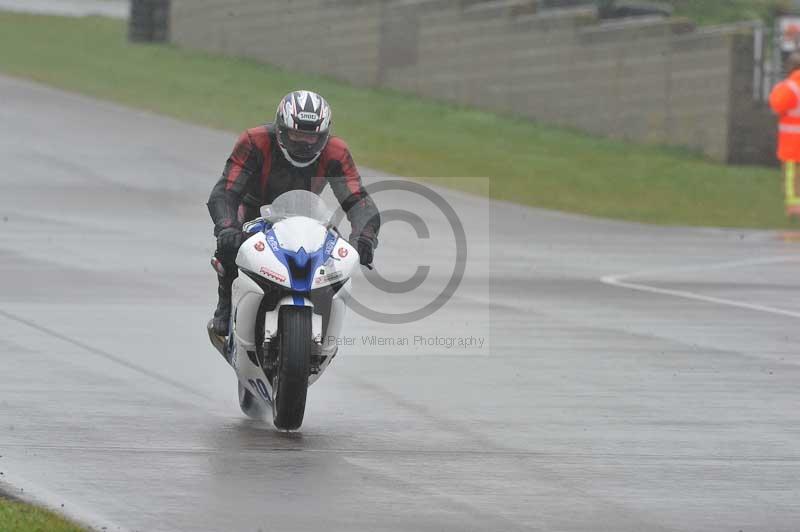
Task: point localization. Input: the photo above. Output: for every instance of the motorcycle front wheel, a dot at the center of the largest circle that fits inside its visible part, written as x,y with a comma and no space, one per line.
290,383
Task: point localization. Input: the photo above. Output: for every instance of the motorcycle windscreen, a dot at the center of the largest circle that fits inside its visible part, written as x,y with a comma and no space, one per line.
297,203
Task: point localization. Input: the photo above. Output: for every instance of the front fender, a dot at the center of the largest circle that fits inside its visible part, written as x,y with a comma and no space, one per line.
271,317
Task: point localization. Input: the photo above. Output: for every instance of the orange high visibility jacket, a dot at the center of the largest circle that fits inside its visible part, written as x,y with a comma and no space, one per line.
785,102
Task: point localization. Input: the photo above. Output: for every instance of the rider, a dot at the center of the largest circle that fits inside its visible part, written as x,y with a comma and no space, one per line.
295,152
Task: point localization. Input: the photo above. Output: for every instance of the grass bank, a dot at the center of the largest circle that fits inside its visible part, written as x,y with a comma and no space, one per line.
17,516
725,11
528,163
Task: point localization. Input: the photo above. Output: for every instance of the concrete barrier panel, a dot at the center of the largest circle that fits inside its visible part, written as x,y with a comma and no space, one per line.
647,79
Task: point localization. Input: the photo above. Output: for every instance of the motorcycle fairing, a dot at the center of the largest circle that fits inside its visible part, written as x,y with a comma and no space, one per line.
301,264
255,256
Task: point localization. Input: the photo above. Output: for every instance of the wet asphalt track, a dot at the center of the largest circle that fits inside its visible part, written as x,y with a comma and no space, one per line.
669,405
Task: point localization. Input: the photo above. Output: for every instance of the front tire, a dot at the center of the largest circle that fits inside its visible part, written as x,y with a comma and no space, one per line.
294,361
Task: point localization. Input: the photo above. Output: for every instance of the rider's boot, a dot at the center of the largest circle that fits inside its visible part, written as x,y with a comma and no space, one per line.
222,315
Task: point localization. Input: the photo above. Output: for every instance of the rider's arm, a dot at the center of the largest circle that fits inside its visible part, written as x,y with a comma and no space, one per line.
226,196
348,188
782,99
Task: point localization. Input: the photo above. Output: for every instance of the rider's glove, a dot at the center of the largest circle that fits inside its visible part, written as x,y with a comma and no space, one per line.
365,247
229,240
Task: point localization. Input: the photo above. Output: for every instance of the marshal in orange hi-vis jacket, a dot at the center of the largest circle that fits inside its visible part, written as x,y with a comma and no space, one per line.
785,102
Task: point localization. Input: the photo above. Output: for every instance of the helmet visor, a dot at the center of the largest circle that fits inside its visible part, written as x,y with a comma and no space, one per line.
302,136
302,144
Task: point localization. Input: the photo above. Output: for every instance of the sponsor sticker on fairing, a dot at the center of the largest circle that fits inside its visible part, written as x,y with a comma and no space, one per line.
273,243
333,276
272,274
329,278
342,252
259,246
329,246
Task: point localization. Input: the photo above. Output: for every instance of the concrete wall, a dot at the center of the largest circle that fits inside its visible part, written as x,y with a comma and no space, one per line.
652,80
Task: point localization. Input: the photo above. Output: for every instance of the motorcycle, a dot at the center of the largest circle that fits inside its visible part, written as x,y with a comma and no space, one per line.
288,306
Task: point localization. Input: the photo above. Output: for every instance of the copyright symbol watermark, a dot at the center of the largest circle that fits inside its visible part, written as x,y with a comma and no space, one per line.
417,198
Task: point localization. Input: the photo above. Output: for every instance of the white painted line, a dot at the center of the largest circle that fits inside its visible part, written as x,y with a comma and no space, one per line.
617,280
37,495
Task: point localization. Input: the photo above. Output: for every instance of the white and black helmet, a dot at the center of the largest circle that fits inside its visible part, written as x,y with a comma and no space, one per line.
303,126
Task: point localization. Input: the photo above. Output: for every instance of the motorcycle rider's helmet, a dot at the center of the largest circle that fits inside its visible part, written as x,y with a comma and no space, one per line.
303,126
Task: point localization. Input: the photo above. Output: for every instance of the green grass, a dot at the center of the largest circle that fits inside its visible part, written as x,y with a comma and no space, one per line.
20,517
725,11
528,163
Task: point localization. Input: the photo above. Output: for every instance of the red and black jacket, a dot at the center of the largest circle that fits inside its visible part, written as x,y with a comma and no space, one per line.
257,172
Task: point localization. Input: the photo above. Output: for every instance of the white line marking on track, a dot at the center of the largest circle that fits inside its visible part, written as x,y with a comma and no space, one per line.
617,280
37,495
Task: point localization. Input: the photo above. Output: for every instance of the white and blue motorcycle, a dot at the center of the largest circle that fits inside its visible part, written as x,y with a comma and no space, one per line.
288,306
